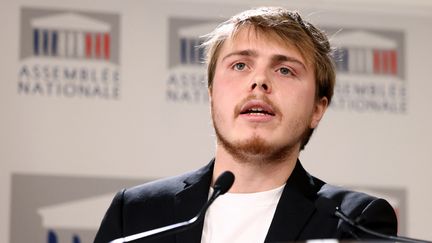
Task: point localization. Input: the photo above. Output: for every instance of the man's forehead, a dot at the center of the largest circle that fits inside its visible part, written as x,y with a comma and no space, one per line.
250,36
247,38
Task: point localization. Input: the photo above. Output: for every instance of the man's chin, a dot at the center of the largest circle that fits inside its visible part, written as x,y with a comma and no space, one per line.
255,149
254,146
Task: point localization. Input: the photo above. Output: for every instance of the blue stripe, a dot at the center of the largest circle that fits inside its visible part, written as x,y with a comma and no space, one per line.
341,59
54,42
345,55
45,42
52,237
76,239
192,51
201,53
36,42
183,48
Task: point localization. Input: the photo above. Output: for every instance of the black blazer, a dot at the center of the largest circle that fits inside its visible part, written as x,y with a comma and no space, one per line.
297,218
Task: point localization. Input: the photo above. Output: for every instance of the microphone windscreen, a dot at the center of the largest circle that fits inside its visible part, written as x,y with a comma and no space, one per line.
224,182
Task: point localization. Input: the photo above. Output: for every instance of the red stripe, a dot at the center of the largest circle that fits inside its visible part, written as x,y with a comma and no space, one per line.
393,62
107,46
88,42
376,61
98,45
386,61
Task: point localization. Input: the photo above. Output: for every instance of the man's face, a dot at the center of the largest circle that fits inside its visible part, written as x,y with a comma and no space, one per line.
263,97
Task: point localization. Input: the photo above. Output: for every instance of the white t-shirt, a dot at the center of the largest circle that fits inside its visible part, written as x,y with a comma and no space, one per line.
240,217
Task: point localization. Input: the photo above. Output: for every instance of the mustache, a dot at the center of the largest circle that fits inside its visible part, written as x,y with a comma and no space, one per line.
263,98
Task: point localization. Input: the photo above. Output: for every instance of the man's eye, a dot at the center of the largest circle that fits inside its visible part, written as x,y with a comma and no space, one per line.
239,66
285,71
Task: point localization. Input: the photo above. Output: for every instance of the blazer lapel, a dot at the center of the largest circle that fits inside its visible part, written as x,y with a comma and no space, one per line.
189,202
295,207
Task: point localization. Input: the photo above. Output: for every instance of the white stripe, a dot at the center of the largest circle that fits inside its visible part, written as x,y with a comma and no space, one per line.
369,61
80,44
61,48
70,44
361,60
352,60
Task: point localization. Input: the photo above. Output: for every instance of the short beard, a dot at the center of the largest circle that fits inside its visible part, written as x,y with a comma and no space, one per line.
254,150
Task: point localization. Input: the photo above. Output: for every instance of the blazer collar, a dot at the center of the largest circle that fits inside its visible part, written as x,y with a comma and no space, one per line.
295,207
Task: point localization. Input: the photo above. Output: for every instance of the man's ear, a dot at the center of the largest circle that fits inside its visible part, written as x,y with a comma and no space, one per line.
318,112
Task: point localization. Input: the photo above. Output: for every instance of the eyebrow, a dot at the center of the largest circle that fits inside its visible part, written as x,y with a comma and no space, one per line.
241,53
275,58
283,58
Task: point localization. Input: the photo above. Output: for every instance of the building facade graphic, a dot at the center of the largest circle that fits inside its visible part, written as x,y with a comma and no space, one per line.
71,35
61,51
361,52
370,70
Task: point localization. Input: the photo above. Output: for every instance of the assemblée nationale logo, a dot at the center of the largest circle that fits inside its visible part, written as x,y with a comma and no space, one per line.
67,53
187,78
370,71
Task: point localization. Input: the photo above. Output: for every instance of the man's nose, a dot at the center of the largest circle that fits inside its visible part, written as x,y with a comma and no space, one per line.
261,83
262,86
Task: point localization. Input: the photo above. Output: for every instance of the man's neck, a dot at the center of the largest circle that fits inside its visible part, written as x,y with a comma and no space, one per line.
254,176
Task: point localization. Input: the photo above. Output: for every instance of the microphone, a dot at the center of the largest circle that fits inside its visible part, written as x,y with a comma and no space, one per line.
222,185
331,207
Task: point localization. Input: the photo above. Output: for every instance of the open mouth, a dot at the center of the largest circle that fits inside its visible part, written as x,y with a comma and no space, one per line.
258,108
257,111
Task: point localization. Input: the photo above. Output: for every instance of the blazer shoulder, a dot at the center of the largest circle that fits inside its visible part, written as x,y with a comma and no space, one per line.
147,206
159,188
343,196
167,187
370,211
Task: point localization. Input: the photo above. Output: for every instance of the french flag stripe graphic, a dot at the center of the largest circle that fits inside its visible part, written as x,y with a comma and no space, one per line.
107,43
386,61
393,62
183,50
98,45
377,61
192,50
201,53
45,42
54,43
36,42
70,44
88,40
61,44
369,61
80,44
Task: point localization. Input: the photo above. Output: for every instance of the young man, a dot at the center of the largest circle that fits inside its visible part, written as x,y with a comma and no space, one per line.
270,79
